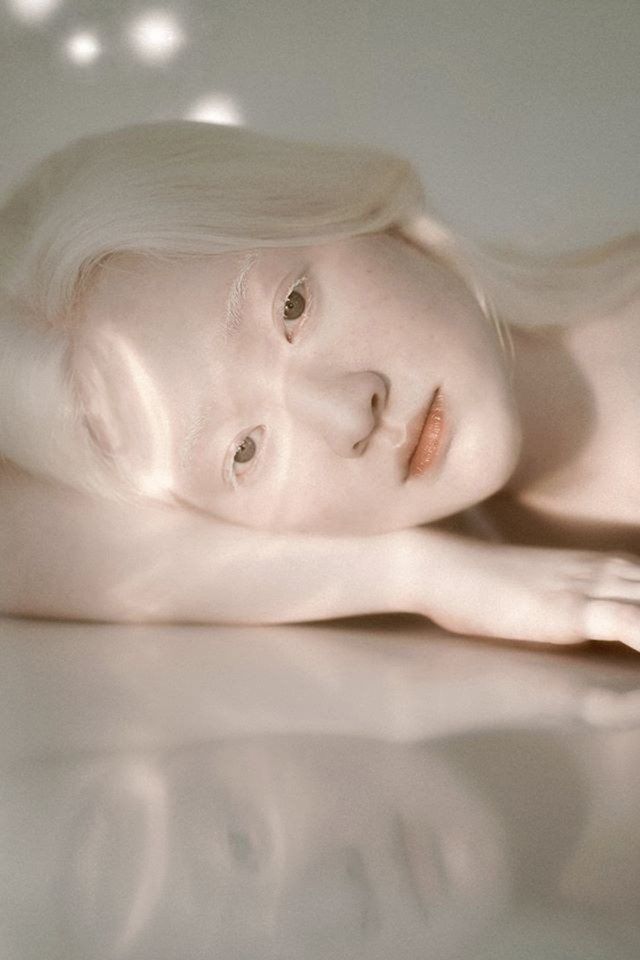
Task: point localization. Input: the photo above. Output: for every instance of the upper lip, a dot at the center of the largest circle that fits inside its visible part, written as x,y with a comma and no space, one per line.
414,430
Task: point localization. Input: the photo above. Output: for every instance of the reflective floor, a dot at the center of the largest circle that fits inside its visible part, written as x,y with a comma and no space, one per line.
364,789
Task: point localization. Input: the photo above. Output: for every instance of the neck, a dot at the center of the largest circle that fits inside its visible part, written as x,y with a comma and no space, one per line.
554,402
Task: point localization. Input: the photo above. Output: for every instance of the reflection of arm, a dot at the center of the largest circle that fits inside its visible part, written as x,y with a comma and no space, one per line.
65,555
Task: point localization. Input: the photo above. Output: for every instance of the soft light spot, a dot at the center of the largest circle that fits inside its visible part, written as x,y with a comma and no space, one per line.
156,36
83,48
216,108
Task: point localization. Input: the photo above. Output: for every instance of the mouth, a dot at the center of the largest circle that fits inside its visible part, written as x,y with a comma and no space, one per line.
426,434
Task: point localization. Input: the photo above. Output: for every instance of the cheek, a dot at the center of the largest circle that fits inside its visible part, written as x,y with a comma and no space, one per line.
329,500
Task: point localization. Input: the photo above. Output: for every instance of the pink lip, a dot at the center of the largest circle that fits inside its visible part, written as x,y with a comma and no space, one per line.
425,436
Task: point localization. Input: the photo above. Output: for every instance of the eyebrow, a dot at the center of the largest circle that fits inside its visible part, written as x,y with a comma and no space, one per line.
237,298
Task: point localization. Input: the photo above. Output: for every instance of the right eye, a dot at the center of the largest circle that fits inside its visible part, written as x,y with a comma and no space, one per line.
245,453
295,307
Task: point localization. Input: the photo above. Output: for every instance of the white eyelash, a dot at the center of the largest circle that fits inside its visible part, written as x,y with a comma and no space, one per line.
193,435
236,295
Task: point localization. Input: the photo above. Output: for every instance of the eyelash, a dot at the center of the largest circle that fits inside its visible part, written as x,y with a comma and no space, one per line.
300,321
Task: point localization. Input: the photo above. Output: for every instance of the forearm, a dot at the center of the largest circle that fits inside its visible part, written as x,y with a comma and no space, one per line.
67,556
188,568
240,576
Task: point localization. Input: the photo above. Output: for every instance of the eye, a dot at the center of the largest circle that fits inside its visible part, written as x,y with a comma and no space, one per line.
247,450
295,307
244,453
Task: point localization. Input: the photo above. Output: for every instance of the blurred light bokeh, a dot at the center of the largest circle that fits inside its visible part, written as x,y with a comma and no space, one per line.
522,118
156,36
83,48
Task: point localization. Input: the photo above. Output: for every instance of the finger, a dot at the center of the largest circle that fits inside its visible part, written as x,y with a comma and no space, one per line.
615,588
612,620
618,578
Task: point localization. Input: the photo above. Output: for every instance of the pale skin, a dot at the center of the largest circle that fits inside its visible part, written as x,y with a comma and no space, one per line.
272,464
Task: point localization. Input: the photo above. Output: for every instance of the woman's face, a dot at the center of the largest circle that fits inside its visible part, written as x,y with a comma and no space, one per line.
304,414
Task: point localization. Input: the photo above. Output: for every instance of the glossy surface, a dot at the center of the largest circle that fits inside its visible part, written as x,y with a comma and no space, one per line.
366,788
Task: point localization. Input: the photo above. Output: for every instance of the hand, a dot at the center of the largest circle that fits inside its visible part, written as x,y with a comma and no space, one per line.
529,593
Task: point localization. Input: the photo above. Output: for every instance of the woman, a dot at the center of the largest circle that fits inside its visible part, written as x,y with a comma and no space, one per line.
247,380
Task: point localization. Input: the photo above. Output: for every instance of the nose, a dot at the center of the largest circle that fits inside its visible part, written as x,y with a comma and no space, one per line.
343,408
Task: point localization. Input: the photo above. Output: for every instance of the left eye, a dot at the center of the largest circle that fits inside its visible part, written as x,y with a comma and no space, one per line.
295,306
244,452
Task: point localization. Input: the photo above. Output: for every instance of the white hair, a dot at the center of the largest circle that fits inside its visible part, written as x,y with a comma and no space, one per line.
182,189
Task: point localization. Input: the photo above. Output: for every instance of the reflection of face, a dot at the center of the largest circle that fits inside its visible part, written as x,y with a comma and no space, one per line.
297,842
399,841
299,420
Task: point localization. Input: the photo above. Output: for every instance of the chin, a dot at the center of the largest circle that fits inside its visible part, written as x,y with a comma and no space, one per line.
487,467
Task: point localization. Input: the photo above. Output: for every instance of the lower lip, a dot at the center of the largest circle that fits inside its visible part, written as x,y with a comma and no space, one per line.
430,442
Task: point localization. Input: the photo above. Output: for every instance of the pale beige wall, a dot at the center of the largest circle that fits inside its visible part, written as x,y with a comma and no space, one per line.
522,115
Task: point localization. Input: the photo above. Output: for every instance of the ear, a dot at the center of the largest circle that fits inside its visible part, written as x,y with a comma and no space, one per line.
121,405
96,380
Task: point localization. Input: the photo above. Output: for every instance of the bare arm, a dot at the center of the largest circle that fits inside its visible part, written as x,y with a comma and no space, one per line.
64,555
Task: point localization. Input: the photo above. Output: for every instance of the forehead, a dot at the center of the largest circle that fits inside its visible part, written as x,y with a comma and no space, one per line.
132,292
